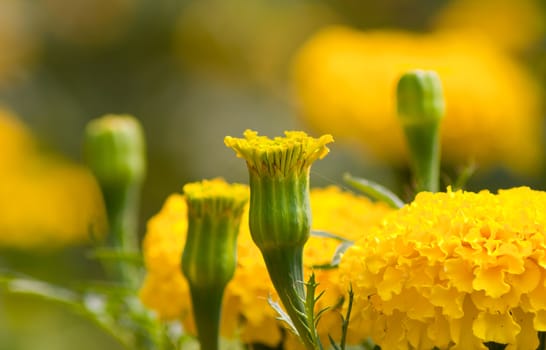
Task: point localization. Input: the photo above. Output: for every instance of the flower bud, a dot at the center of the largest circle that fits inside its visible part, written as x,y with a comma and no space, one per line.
279,214
215,209
114,149
420,98
421,107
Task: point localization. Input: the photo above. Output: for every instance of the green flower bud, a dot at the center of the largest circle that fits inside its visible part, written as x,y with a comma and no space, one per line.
421,107
279,214
215,209
114,149
420,98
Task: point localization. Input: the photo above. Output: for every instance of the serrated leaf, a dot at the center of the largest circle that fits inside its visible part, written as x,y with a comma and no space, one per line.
374,191
319,315
282,315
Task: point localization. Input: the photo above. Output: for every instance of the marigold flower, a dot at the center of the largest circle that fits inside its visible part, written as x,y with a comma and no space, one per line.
280,217
345,83
46,201
246,313
515,25
453,270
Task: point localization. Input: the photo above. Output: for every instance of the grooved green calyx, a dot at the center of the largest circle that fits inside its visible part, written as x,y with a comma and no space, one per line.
420,97
421,107
280,215
215,209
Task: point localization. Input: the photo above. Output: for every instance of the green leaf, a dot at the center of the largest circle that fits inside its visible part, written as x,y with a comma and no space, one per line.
341,248
374,191
339,252
464,176
325,234
40,289
282,315
332,342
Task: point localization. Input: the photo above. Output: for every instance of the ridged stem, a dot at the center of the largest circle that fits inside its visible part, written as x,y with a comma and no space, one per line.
122,205
424,143
207,306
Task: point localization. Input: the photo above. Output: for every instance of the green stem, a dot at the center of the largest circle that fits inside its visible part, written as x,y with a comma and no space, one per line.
424,144
542,339
285,268
122,207
207,306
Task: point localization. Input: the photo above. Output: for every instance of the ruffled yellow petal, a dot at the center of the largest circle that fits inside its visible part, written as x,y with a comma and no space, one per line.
473,261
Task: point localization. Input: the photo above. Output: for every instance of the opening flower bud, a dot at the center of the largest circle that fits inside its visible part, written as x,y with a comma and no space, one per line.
279,214
215,209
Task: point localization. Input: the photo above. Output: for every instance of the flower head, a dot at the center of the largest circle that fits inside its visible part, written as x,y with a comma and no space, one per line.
280,216
209,259
280,156
246,312
345,83
454,270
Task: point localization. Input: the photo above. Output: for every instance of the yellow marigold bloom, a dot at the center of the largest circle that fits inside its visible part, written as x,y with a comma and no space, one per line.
263,155
453,270
45,201
246,313
345,83
515,25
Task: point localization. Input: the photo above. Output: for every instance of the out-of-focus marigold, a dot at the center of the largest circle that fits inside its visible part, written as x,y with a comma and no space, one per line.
454,270
345,83
246,312
45,200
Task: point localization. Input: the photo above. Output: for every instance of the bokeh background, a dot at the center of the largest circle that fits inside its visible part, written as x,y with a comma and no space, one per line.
192,72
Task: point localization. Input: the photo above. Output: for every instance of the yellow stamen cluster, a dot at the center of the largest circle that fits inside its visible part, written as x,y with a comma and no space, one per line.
454,270
281,156
246,313
216,196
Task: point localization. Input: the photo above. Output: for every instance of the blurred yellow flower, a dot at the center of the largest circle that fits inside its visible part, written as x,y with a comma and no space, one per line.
453,270
514,25
246,312
45,201
345,84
